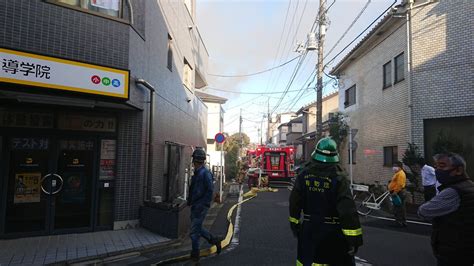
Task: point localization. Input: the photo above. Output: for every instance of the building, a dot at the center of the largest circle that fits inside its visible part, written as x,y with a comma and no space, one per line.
293,137
409,81
97,113
330,106
274,126
215,124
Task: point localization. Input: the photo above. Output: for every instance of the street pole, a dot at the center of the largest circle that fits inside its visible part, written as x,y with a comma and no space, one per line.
320,68
350,157
261,130
269,121
240,133
221,181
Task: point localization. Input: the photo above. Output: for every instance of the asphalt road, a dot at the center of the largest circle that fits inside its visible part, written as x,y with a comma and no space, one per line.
264,237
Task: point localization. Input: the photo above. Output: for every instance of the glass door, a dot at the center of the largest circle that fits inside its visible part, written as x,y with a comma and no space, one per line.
27,180
74,179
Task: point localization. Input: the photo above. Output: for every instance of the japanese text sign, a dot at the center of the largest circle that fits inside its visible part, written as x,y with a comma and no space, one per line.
54,73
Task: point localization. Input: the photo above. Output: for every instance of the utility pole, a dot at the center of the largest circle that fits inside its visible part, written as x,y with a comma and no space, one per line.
320,68
240,133
269,122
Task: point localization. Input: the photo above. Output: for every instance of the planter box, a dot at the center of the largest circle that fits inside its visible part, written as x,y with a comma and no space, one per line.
171,221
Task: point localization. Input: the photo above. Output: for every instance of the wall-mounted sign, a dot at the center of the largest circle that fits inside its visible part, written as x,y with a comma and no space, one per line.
54,73
27,188
26,119
87,123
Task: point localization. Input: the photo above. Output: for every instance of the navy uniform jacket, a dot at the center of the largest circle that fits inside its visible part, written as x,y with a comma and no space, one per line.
200,191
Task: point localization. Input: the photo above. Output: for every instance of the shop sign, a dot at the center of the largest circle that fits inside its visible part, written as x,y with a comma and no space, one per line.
60,74
30,144
107,159
74,188
76,145
27,188
25,119
87,123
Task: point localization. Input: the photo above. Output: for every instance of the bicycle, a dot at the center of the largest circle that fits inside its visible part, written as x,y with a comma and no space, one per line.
365,200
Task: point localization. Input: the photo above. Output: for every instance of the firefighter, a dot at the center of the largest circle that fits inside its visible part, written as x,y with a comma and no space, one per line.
200,197
328,231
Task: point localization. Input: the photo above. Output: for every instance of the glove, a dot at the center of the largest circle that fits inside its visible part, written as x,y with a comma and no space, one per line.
352,250
295,228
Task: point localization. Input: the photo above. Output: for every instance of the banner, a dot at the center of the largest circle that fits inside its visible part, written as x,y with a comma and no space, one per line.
27,188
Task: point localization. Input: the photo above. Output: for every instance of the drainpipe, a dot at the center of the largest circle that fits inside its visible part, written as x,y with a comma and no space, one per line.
149,154
409,66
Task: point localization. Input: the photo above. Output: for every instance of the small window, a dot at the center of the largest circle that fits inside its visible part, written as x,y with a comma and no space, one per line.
350,96
106,7
387,75
170,53
349,156
187,75
390,155
399,68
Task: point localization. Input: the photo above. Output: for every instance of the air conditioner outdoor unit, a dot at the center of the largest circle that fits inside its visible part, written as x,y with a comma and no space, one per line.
156,199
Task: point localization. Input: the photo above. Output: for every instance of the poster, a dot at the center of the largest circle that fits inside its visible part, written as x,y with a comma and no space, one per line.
107,159
27,188
74,188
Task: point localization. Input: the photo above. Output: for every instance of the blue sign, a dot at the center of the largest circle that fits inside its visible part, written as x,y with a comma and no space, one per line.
219,138
116,83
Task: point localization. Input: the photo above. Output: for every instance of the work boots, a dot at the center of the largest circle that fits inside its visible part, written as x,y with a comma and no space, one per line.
216,240
195,257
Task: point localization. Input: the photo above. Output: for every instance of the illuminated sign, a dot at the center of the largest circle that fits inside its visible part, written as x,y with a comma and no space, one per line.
60,74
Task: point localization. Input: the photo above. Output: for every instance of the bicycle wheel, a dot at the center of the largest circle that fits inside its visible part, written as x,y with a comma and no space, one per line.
360,197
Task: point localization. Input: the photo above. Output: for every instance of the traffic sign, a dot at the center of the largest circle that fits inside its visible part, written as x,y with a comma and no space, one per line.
219,138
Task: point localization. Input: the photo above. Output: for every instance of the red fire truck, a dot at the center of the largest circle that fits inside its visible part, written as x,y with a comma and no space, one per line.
276,162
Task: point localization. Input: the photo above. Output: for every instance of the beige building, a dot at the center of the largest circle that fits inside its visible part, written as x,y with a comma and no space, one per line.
397,92
308,139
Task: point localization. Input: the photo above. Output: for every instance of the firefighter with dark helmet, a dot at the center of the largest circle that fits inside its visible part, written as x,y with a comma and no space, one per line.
323,215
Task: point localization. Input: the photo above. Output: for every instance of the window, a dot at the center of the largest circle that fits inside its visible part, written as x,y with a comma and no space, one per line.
350,96
187,75
106,7
170,53
399,68
349,156
387,75
390,155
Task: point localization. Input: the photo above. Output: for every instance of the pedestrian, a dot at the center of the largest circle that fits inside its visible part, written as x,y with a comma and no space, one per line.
428,179
396,187
329,231
451,212
200,197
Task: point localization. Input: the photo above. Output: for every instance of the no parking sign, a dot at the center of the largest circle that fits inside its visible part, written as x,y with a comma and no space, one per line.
219,138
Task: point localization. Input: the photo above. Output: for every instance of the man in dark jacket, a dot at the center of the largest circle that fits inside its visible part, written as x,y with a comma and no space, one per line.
200,197
452,212
330,231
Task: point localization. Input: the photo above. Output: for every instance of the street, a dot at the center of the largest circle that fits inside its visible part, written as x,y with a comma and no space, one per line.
265,238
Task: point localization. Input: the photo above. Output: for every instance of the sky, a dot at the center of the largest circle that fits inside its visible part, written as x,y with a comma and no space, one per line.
249,36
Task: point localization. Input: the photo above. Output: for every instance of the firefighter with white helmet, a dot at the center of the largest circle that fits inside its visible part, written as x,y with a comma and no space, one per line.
329,230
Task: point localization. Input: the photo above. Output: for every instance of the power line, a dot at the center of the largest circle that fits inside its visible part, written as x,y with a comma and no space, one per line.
360,34
262,93
348,28
256,73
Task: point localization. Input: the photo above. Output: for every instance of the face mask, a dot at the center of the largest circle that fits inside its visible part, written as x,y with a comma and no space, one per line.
395,169
443,176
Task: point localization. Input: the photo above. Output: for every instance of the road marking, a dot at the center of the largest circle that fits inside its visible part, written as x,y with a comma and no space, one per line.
391,219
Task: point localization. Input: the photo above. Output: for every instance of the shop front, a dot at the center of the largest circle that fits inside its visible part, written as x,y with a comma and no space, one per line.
58,158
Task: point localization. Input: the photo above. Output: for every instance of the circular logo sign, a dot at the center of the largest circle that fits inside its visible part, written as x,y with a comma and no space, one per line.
219,138
95,79
116,83
106,81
